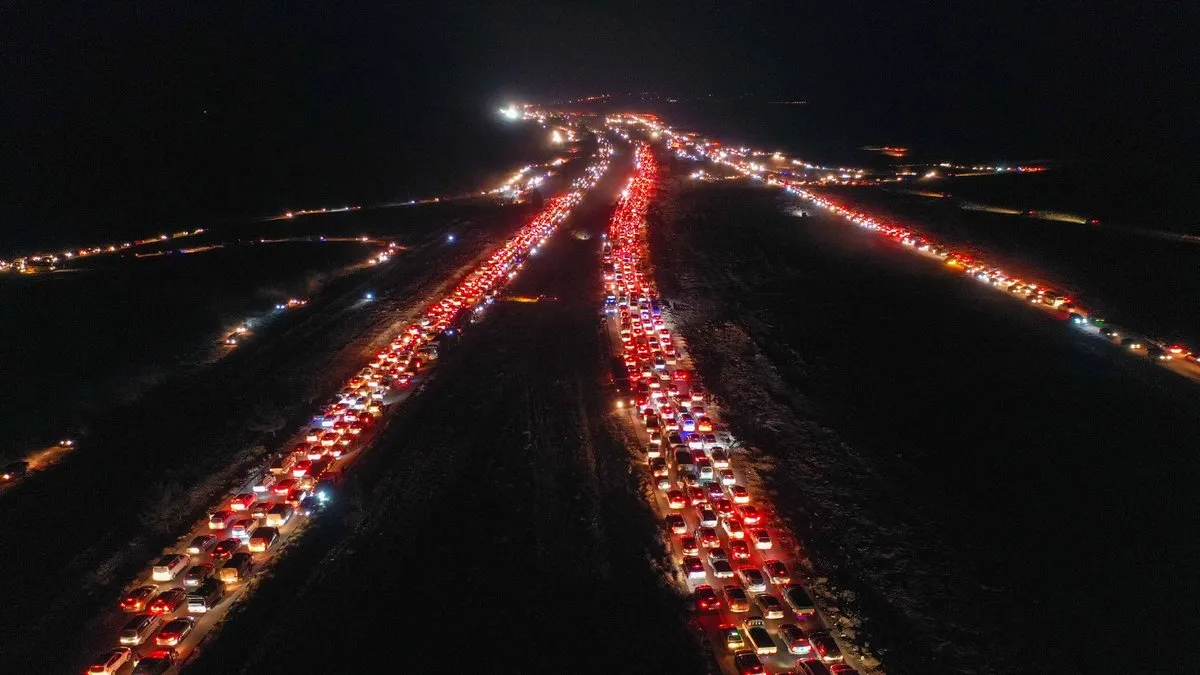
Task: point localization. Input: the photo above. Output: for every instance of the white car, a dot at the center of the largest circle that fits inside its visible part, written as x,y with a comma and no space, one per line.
762,540
753,579
169,566
112,661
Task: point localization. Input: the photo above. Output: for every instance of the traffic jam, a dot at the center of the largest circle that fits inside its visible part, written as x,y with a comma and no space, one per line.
734,556
166,612
1175,356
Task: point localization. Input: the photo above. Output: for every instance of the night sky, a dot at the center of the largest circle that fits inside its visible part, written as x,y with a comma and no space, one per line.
150,111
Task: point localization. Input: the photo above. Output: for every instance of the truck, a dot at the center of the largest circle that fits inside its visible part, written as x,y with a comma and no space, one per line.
237,568
279,515
756,630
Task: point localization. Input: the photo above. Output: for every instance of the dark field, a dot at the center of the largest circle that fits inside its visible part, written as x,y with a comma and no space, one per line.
1134,279
496,526
116,329
986,490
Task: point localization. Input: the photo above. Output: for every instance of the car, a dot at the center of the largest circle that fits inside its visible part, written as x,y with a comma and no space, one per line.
704,425
283,487
721,569
736,598
264,484
811,666
676,524
723,507
706,599
726,476
169,566
1158,354
770,605
689,545
221,519
168,601
753,579
708,537
201,544
138,628
720,458
676,499
777,572
731,636
174,632
747,663
794,639
112,661
762,540
242,528
708,517
658,467
694,567
156,662
260,510
799,600
714,490
1131,343
662,483
739,494
733,528
698,496
196,575
225,548
243,501
825,647
749,514
137,599
739,549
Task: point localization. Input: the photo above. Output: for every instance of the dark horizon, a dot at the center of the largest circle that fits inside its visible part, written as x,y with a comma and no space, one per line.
152,113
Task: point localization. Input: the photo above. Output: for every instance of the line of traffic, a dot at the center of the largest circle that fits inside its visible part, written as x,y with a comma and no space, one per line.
178,601
734,555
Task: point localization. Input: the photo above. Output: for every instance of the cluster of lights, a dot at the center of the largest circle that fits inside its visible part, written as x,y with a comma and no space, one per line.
668,404
48,262
1033,292
992,275
342,424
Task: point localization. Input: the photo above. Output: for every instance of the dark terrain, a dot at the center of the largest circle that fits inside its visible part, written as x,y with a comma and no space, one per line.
497,525
1133,278
984,488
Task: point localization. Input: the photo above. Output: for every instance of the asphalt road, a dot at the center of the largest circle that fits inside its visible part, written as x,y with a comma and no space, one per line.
494,526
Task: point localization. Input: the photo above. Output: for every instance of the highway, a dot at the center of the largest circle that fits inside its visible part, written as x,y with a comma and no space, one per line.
738,564
340,431
1178,358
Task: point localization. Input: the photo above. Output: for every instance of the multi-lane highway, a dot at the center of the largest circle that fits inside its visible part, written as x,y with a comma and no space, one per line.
733,556
169,610
1050,297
